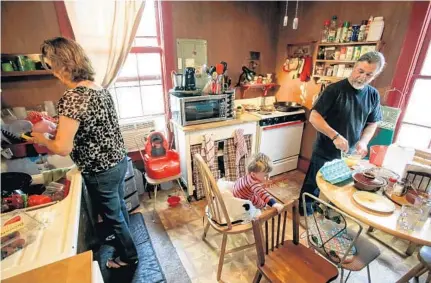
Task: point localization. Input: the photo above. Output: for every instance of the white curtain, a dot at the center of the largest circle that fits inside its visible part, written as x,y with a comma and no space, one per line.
106,30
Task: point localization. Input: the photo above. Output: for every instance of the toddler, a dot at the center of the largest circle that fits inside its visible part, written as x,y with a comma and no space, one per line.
250,186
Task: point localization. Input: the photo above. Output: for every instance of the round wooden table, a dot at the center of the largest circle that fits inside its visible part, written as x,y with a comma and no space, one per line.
341,196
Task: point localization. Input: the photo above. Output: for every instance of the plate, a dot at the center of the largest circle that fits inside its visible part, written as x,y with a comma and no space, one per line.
374,202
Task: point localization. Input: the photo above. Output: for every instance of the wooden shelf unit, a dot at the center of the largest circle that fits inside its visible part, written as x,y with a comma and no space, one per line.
327,62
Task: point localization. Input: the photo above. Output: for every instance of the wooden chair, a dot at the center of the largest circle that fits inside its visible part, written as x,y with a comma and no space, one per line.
424,265
216,210
421,180
324,217
284,261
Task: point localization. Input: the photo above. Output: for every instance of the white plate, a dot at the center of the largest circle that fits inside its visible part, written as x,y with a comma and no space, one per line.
374,202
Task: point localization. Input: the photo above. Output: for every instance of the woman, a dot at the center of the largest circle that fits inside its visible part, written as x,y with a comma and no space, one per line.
88,130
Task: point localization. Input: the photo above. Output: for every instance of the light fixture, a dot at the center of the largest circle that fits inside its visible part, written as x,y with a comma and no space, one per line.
285,15
295,20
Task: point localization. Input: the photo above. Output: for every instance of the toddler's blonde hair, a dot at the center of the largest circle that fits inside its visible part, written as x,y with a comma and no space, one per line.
259,163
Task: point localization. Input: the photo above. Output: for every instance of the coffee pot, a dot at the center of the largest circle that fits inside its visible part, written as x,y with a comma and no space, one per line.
189,79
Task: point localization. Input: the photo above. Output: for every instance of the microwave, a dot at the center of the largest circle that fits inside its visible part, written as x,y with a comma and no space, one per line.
202,109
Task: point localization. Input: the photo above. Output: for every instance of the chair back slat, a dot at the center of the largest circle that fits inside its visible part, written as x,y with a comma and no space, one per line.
278,230
272,234
420,180
215,201
263,234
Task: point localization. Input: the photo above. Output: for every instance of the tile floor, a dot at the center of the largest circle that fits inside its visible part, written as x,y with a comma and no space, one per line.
184,227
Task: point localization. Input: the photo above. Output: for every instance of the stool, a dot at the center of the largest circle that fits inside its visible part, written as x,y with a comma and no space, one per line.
424,265
157,182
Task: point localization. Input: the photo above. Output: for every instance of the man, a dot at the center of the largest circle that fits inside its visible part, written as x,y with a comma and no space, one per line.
345,116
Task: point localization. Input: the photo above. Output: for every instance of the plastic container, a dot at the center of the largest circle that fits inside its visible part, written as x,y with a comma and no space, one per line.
377,154
376,29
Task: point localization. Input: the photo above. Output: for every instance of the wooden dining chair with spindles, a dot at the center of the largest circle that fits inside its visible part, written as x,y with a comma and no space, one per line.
216,212
281,260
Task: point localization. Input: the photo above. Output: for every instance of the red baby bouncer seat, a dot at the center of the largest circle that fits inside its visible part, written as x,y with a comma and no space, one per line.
160,162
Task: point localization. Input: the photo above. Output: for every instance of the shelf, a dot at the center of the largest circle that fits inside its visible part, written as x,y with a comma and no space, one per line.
263,86
26,73
336,61
348,43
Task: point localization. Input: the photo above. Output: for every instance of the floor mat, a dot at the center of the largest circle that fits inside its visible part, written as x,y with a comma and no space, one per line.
147,271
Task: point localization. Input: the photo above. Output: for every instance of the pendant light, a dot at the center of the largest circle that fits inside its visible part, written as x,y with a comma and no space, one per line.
295,20
285,15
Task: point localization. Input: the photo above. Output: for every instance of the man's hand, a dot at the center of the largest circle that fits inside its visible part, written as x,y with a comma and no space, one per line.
341,143
362,148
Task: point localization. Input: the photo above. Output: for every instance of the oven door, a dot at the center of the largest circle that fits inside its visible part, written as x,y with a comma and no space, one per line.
204,109
281,141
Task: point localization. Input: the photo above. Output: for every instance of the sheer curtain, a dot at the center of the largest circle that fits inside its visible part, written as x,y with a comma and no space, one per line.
106,30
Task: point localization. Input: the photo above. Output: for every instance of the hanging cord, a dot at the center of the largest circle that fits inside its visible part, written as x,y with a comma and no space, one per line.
285,14
402,96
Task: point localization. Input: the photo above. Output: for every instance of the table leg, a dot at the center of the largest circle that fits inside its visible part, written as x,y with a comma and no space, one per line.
155,201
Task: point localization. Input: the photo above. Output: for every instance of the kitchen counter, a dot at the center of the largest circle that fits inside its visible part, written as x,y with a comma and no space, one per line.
58,240
243,119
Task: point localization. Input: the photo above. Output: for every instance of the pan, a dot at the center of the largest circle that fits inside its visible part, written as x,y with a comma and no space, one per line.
287,106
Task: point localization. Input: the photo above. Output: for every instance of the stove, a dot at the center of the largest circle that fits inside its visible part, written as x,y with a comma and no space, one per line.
279,137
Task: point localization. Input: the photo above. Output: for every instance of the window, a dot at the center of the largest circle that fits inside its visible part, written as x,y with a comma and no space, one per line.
138,90
415,130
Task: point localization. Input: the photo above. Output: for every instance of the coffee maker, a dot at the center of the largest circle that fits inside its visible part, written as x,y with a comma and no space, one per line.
189,79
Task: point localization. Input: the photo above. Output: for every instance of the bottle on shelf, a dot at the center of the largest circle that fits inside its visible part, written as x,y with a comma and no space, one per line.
345,31
349,34
332,29
339,32
361,35
325,31
376,29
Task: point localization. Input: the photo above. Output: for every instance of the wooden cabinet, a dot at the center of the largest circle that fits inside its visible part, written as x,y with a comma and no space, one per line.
189,136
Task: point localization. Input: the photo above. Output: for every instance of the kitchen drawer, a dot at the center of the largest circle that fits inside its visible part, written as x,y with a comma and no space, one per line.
285,165
130,172
130,187
132,202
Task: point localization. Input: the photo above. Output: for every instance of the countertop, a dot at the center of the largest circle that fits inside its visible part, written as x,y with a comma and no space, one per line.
58,240
243,119
73,269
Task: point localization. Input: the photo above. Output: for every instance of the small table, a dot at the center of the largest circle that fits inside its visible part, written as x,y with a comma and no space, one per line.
341,196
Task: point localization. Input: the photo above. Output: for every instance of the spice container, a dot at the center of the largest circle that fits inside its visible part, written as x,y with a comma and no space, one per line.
356,52
361,35
339,33
399,188
325,31
345,31
332,29
355,32
349,53
390,187
343,53
349,35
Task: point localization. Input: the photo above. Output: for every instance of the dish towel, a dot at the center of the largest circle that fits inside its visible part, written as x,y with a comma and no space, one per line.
207,150
305,74
240,147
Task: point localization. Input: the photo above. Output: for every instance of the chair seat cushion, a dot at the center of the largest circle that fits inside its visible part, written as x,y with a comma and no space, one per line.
162,167
366,252
425,256
297,263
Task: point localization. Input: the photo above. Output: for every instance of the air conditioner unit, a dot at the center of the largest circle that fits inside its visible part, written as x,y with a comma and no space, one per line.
130,131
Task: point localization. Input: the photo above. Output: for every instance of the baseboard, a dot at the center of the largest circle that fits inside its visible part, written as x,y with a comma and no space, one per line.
303,164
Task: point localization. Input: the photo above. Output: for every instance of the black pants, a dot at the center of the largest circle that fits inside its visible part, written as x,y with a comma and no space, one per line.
310,185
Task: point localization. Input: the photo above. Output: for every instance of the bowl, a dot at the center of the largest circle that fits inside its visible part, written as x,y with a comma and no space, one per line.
367,181
174,200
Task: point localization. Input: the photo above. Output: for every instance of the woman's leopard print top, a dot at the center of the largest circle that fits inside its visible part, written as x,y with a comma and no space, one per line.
98,143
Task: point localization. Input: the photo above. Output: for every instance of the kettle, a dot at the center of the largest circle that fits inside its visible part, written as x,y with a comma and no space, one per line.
177,81
189,79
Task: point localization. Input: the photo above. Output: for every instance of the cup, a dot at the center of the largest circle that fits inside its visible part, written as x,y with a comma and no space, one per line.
409,216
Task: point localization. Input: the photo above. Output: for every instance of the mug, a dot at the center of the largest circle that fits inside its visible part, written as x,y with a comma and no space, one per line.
7,67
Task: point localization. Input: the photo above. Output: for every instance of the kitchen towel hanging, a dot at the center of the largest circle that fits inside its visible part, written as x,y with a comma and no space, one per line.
306,69
199,192
208,150
229,155
240,147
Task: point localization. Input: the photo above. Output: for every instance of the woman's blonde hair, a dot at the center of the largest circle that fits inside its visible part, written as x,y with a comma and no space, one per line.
259,163
68,58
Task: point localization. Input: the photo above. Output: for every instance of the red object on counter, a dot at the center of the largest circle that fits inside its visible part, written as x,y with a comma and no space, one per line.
377,154
38,200
13,220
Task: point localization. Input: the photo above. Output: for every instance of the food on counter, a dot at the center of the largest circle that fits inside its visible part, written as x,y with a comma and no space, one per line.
35,117
13,220
17,244
38,200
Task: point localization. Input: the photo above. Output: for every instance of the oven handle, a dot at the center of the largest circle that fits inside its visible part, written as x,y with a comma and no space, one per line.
282,125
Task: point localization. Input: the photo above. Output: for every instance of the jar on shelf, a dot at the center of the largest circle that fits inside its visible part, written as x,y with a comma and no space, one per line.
355,32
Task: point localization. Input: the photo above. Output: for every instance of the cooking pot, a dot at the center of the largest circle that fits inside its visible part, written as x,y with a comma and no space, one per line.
367,181
286,106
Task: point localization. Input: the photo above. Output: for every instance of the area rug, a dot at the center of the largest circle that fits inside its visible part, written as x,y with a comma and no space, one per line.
284,187
148,270
168,257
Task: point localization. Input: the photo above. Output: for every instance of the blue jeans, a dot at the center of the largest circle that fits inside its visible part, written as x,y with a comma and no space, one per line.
106,190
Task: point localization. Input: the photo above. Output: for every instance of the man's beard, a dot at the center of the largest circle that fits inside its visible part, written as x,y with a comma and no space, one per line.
357,85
